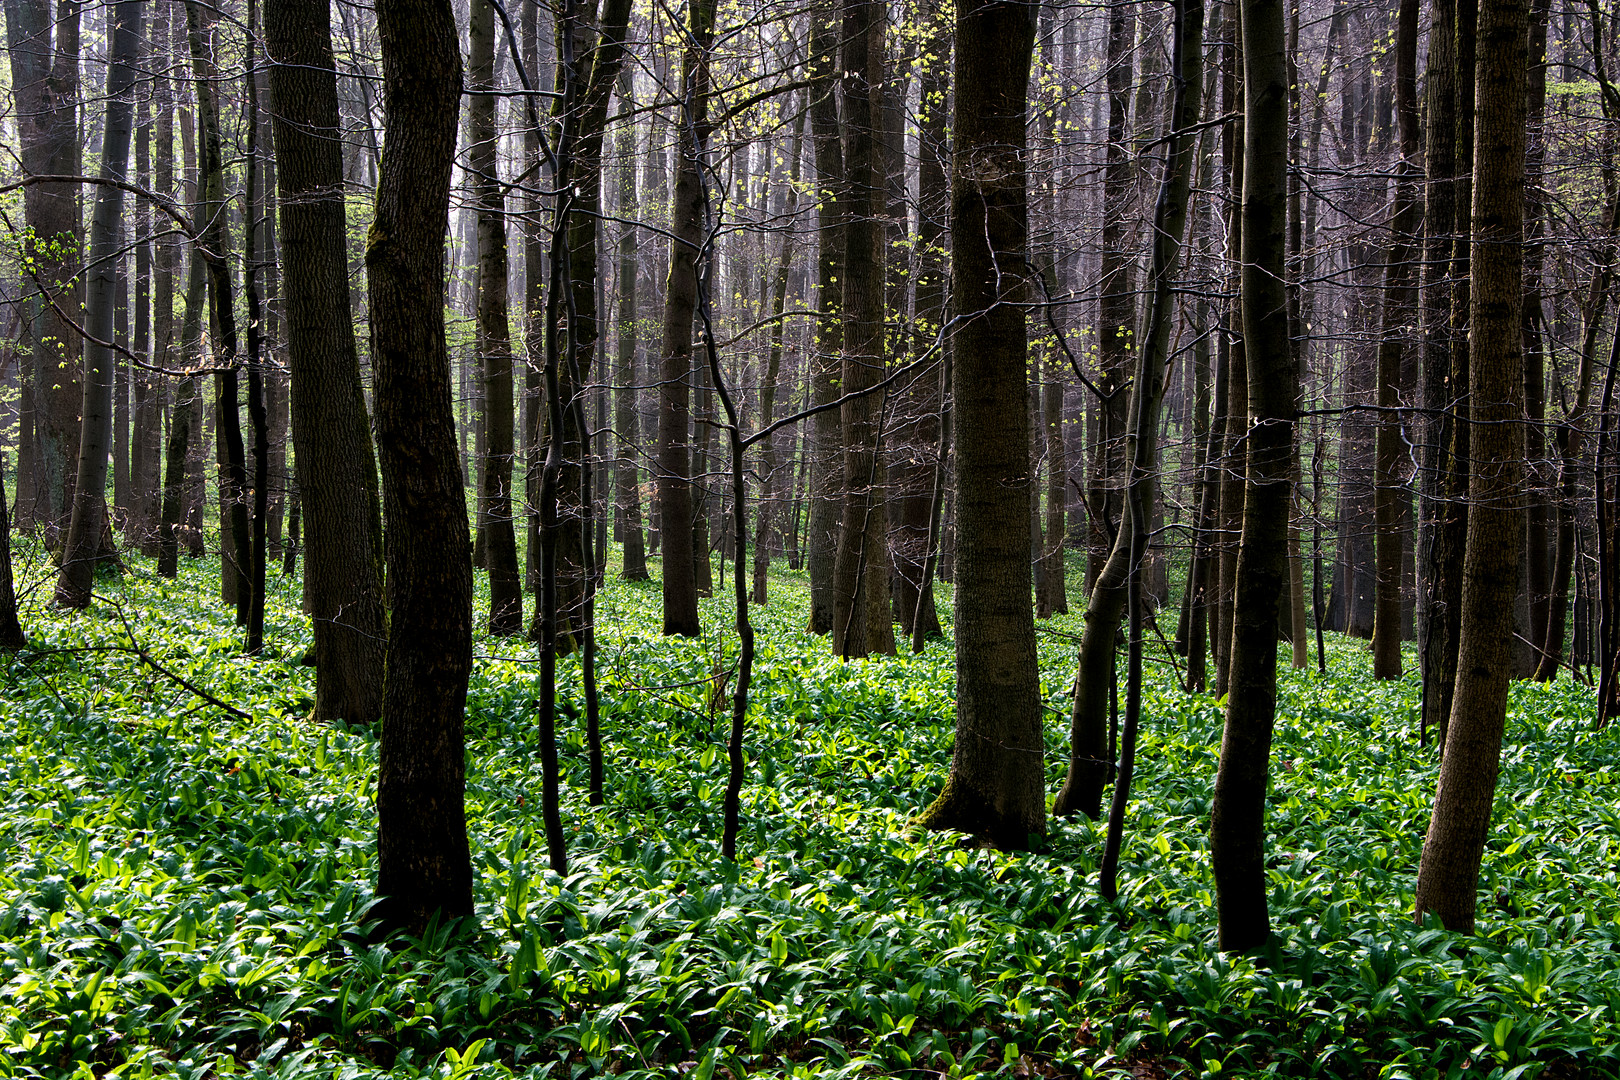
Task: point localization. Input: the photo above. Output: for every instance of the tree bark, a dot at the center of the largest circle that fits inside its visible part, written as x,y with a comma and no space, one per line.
1400,313
862,618
1448,876
11,632
493,338
688,222
44,54
1169,223
216,244
337,470
825,466
89,518
627,419
423,864
995,786
1237,821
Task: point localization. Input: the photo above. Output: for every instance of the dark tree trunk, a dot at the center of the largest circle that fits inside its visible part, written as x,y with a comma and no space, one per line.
1089,753
423,864
1237,821
1169,223
337,471
496,524
89,518
1572,437
1229,506
184,426
627,419
919,461
770,496
1446,562
216,244
996,784
1448,876
1116,305
44,51
862,618
593,72
688,226
11,632
823,439
1400,316
257,414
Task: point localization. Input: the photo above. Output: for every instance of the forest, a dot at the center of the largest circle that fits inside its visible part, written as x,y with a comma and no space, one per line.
932,538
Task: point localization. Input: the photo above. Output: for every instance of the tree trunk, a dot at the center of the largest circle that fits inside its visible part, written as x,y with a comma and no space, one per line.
770,494
996,782
337,470
84,538
44,50
825,467
1572,437
1116,305
1446,569
423,864
1170,222
215,245
1448,876
1089,757
1237,821
257,414
493,338
11,632
862,618
688,224
919,467
1400,315
627,420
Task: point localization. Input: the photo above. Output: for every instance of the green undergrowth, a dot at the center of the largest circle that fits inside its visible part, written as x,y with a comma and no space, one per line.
184,892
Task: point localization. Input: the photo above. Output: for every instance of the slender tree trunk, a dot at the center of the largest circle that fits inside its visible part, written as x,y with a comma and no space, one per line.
337,470
1572,437
1400,315
1447,569
862,618
423,865
680,302
1237,821
216,245
1117,302
1089,757
493,337
627,419
1230,506
1448,876
257,414
996,782
1170,222
770,495
89,518
825,470
11,632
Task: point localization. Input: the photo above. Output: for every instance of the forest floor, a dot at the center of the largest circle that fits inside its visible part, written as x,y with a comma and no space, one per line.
184,891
